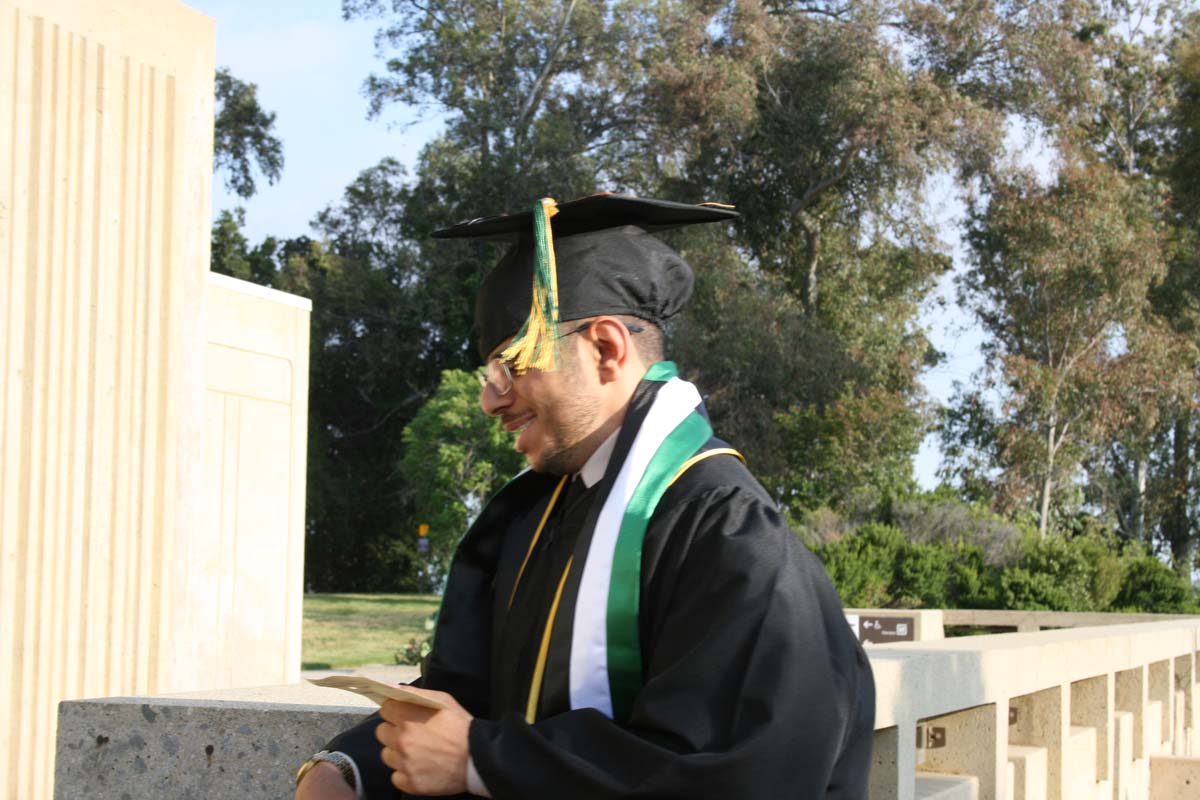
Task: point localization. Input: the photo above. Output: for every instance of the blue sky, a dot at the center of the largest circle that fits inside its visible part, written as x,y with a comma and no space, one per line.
309,65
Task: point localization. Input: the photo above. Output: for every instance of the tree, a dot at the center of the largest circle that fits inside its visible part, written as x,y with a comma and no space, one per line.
1060,280
244,136
231,253
813,124
455,458
1177,300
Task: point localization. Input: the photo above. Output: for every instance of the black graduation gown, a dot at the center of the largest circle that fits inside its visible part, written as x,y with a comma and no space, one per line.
753,685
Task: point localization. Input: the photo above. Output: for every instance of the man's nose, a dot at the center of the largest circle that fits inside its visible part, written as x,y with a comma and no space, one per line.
492,402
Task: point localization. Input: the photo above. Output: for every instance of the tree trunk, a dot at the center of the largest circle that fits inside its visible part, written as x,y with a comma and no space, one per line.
812,257
1043,521
1142,470
1177,525
1047,481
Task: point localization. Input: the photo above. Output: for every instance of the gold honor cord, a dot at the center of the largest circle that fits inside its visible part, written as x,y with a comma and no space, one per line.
535,685
539,669
537,535
696,459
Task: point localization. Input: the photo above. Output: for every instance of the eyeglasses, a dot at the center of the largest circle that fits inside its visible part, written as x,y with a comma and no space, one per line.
499,372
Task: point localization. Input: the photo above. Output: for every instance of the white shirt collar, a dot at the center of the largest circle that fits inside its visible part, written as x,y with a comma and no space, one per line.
597,463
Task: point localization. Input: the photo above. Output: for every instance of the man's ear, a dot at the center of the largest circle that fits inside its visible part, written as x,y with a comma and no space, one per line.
614,348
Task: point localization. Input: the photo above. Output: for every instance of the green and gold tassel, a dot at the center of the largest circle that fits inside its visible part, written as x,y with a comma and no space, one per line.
536,345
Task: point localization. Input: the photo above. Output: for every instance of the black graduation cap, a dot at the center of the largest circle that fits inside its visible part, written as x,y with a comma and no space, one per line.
583,258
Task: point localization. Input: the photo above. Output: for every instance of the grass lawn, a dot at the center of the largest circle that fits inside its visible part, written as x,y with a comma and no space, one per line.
349,630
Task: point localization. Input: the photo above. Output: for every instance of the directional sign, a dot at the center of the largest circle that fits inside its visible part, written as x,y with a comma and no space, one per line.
881,630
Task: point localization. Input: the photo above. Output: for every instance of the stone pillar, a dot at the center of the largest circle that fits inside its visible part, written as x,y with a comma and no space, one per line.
106,111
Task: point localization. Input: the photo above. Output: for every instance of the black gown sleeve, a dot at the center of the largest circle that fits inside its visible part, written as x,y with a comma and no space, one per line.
360,744
754,686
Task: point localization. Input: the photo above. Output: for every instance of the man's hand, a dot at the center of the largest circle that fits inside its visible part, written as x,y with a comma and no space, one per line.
426,747
324,782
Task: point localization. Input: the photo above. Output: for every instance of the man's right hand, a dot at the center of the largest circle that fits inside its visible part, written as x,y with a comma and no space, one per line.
324,782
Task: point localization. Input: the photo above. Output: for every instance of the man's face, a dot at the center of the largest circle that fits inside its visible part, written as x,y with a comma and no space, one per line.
553,413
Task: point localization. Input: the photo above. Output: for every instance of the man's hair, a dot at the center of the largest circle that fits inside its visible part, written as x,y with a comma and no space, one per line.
647,337
649,341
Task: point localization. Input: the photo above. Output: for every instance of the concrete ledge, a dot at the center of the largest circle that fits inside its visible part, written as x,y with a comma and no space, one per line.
1174,778
243,743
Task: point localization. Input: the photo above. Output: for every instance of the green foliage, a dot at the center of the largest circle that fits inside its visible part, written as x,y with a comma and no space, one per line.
416,650
1059,272
862,566
825,125
454,459
231,253
860,441
243,136
877,566
1152,586
1060,574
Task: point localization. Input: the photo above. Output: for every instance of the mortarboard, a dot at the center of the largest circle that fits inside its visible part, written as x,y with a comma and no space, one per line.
584,258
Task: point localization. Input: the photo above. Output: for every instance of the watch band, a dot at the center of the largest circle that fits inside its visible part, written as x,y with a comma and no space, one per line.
343,762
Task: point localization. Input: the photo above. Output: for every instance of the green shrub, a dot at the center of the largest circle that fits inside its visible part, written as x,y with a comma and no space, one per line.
1151,586
876,567
974,582
922,576
1081,573
862,564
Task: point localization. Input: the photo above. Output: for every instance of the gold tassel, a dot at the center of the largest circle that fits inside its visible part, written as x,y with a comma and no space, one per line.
536,345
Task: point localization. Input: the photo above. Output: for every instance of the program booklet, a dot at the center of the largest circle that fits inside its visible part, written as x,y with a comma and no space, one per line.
377,691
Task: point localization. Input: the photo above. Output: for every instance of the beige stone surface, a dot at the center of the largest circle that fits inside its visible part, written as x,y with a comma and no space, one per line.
934,786
1081,695
106,130
1174,778
114,577
1123,756
1027,772
1092,706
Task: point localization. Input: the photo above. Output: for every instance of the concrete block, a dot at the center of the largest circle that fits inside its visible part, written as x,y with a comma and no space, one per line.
885,761
1131,697
1174,778
1122,752
1185,712
1080,758
1027,770
941,786
1041,721
187,748
972,746
1139,779
1092,702
1152,744
1161,681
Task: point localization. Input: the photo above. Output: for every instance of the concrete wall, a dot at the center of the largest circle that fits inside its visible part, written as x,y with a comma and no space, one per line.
240,585
1087,714
1056,715
111,581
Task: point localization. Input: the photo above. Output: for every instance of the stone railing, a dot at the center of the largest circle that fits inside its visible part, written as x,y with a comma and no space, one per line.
1095,712
1098,712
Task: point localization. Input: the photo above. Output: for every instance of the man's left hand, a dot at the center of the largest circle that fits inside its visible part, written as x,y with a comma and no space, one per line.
427,748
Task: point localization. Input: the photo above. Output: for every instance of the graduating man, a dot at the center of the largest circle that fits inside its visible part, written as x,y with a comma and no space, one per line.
631,617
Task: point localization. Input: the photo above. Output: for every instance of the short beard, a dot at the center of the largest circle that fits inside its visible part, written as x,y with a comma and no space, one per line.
579,417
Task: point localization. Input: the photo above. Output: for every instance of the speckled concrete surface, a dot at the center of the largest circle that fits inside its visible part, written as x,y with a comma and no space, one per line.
246,745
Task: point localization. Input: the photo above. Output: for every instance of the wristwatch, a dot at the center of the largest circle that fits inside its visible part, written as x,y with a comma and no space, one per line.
343,762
